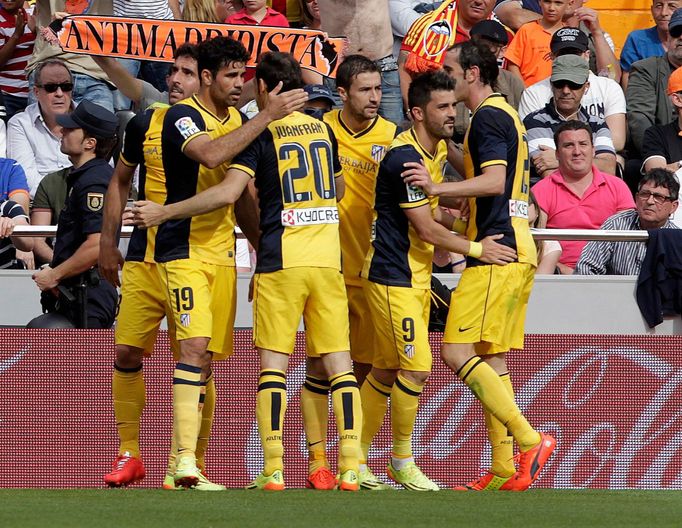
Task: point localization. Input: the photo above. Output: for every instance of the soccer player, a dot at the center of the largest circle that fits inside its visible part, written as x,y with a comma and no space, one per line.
297,174
488,308
397,271
363,137
205,128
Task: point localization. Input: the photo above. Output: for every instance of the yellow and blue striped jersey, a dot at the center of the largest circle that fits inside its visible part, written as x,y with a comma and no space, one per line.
142,147
360,154
397,256
496,136
208,237
294,162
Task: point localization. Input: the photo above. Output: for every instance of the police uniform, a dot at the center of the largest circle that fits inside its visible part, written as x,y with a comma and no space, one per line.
360,154
397,269
196,256
294,162
80,217
143,300
488,308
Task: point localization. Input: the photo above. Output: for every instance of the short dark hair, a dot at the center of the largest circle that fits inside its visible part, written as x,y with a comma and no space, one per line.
187,50
573,124
218,52
477,53
661,177
422,86
351,67
275,66
50,62
104,146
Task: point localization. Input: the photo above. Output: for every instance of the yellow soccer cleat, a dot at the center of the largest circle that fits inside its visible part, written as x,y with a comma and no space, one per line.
206,485
169,483
274,482
348,481
369,481
412,478
187,473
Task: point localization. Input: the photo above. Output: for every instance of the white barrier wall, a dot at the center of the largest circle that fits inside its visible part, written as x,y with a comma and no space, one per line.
558,305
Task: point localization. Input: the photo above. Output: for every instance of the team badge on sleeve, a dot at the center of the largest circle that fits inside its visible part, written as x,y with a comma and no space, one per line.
187,127
378,152
95,201
414,194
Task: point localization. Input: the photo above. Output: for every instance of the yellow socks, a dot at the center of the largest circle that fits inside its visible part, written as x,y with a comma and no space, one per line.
186,392
315,411
271,404
501,442
495,398
348,412
128,393
404,404
207,410
374,396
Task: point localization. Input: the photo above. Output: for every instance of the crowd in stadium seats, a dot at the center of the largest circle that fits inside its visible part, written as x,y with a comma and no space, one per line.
557,63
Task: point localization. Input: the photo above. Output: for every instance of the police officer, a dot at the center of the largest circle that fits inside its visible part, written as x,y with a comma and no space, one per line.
71,285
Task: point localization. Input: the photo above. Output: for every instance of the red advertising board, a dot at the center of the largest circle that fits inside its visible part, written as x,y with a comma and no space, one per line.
611,401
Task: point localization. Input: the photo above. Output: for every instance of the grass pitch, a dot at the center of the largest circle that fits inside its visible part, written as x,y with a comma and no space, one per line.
146,508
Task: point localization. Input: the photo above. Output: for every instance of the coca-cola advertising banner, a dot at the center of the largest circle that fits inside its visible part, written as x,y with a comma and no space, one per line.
613,403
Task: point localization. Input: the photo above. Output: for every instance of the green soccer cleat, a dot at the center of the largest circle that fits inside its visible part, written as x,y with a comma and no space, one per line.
206,485
348,481
274,482
369,481
187,473
412,478
169,483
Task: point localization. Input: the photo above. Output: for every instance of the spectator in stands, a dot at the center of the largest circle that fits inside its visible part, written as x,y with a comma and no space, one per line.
214,11
13,184
662,145
256,13
153,72
47,205
184,70
549,251
603,60
289,8
604,99
578,195
33,136
569,82
655,202
515,13
89,80
650,42
493,34
310,14
320,100
373,39
17,36
647,90
528,55
12,214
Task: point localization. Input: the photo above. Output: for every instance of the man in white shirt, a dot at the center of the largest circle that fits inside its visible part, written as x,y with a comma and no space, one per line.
33,136
604,98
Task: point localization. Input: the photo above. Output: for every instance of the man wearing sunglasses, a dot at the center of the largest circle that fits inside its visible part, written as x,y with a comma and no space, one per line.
33,136
655,202
569,81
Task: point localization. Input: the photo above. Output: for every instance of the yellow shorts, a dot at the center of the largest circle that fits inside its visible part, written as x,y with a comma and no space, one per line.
361,328
401,325
203,302
488,307
142,308
281,297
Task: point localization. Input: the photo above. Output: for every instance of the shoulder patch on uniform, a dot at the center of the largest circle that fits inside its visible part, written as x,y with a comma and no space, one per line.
378,152
187,127
414,194
95,201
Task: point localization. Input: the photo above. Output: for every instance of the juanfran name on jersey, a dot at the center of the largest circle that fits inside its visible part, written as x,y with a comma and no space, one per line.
310,216
187,127
518,209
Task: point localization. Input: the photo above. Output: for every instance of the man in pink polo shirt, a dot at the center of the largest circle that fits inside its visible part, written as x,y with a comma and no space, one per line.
578,195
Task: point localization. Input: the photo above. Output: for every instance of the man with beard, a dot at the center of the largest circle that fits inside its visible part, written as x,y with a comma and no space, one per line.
397,270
